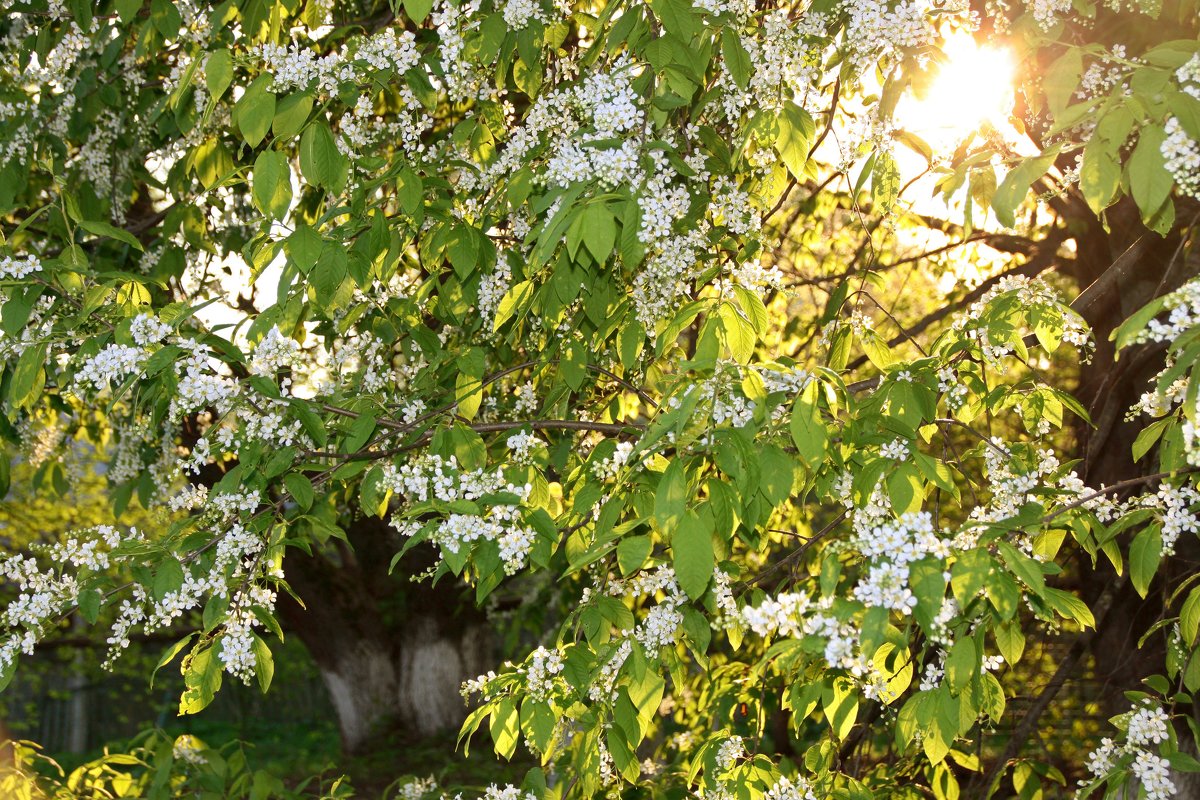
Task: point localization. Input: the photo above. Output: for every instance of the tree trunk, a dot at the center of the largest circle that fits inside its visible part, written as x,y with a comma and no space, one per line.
392,653
1108,390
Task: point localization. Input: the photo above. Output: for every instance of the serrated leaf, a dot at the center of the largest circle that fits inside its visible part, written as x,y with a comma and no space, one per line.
737,60
692,553
1144,556
272,186
218,73
255,110
300,488
110,231
796,130
808,430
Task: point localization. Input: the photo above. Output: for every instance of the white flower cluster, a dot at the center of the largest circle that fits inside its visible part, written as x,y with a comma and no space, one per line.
114,363
875,31
237,640
19,267
891,545
417,788
754,276
726,403
199,386
147,330
544,665
273,353
42,595
609,467
781,615
1183,307
1031,294
1189,76
1047,12
1154,773
788,789
433,478
784,615
492,288
659,628
730,751
609,152
1177,516
297,67
523,446
1147,726
519,13
785,59
1182,156
190,749
494,792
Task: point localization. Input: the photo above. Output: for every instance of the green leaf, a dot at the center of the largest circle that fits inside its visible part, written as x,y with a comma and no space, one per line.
1069,606
515,298
599,231
300,488
290,115
468,394
885,182
1012,190
218,73
670,498
111,232
304,246
1149,181
255,110
169,655
1100,174
632,552
737,60
796,131
692,553
840,704
264,663
410,190
1024,567
311,423
321,163
962,664
505,728
808,431
418,10
1149,436
89,605
1062,79
876,349
1189,617
168,577
927,579
28,377
740,337
1010,640
1144,556
272,184
202,677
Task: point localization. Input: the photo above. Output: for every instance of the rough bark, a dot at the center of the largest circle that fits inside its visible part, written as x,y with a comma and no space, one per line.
1108,390
392,653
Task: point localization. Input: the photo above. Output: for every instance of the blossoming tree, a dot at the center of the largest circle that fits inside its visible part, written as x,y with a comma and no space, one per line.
599,300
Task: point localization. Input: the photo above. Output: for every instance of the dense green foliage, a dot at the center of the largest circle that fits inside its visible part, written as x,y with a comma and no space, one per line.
599,294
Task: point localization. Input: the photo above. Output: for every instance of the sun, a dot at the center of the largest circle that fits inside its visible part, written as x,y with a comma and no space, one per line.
973,86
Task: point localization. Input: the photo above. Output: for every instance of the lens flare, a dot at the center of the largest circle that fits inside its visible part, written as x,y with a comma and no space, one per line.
973,86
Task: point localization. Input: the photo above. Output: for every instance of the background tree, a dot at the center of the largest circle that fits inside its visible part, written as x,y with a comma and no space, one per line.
619,314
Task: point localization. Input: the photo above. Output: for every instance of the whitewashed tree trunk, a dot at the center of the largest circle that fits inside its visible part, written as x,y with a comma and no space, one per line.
386,669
